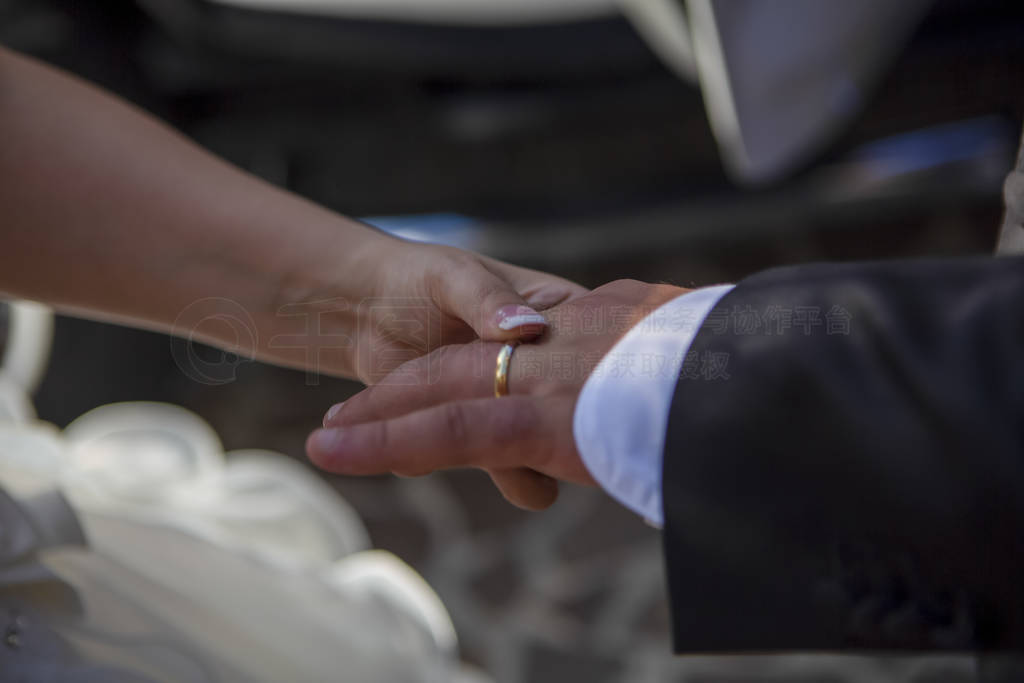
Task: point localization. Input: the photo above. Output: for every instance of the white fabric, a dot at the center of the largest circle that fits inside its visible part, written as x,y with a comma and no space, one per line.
26,349
200,565
622,412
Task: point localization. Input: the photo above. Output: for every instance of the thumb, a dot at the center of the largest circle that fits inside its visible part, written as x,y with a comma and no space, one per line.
490,305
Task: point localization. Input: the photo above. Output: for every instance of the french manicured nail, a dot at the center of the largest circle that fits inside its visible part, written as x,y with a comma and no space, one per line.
332,411
324,440
511,317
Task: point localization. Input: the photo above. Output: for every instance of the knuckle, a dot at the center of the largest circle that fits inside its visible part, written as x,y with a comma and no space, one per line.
379,436
514,421
481,282
456,425
624,283
464,369
621,288
448,260
442,263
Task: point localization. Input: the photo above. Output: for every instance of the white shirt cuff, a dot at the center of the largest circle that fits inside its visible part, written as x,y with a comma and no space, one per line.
621,415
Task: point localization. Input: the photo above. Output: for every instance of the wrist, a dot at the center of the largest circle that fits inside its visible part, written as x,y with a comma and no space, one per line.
310,315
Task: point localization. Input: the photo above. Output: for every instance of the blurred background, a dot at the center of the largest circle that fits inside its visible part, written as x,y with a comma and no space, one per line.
590,138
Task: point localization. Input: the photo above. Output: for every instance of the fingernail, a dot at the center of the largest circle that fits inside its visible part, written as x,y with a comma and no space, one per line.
513,316
324,440
332,411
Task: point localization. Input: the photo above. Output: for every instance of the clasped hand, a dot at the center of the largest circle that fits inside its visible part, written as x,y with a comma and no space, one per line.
439,411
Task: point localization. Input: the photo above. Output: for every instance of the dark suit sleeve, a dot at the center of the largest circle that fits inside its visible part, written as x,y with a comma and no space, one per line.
849,471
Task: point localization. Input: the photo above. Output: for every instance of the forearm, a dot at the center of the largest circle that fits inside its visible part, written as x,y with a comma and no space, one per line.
105,210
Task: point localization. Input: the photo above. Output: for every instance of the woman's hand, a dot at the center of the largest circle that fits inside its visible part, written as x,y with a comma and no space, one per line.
439,411
443,296
108,212
396,301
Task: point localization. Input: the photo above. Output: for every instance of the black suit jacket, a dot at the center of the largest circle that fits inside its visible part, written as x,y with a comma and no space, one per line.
849,471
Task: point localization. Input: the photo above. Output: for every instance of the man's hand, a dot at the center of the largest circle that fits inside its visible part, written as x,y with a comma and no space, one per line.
439,411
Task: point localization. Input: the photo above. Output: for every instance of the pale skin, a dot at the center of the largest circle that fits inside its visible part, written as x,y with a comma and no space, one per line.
439,411
108,213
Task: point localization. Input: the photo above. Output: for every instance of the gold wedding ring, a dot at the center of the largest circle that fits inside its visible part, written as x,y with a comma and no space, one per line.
501,369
